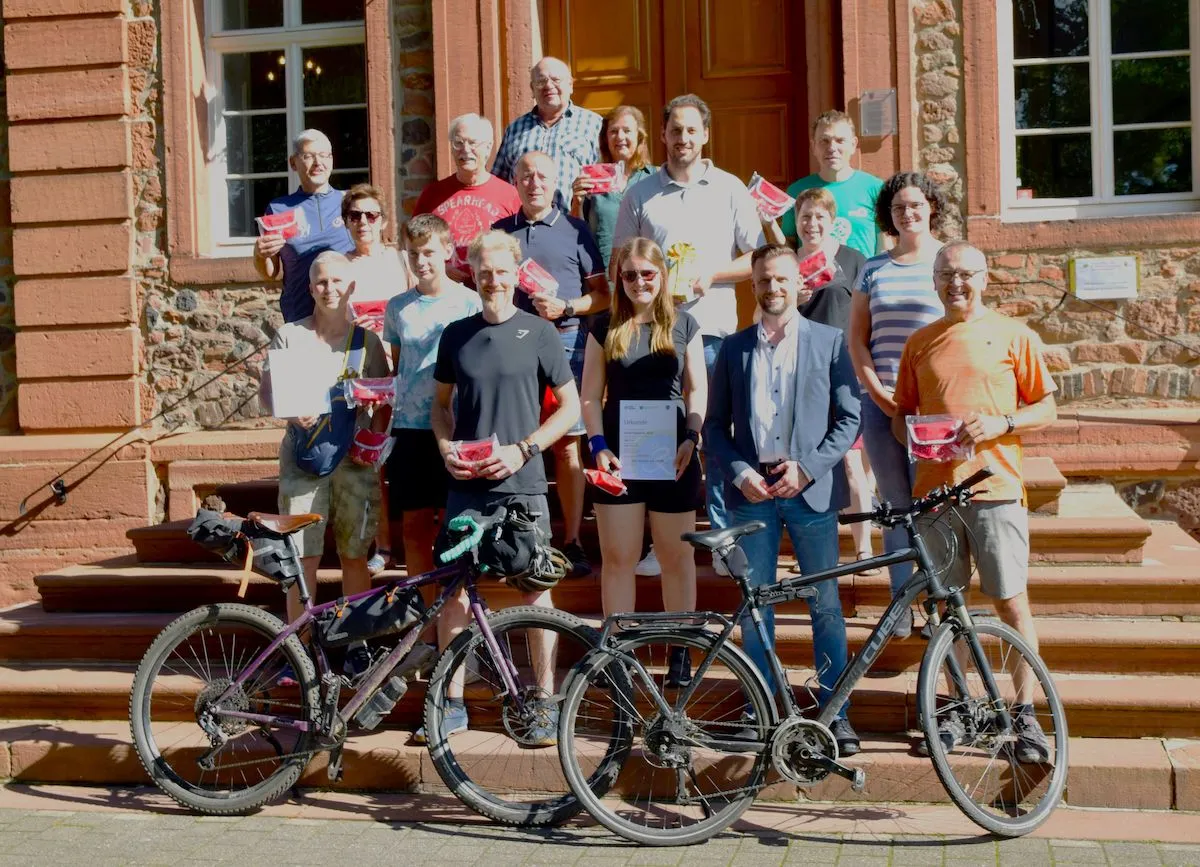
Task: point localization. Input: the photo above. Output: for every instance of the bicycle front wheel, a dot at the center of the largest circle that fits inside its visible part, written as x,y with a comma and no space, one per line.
499,766
1006,779
204,759
688,773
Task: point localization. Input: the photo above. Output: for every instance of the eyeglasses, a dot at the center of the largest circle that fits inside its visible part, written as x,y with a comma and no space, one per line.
950,275
355,216
542,81
631,276
904,207
312,157
462,144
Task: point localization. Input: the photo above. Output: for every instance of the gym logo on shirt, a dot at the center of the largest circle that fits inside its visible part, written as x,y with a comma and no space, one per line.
521,332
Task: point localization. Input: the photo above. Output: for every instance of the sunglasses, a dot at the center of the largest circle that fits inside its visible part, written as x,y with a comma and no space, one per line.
631,276
372,217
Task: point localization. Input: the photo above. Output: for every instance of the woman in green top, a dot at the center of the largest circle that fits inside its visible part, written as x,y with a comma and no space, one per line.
623,139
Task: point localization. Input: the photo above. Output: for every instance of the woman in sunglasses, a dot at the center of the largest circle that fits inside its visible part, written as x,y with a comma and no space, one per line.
646,350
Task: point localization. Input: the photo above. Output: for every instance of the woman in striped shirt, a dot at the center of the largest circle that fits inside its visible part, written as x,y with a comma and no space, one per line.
893,297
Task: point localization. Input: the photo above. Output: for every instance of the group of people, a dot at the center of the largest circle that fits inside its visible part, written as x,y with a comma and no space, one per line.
781,411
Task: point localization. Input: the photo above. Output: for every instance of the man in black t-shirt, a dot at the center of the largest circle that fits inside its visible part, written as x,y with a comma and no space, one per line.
499,361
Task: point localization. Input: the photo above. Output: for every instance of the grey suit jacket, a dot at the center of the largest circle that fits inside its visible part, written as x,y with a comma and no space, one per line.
826,416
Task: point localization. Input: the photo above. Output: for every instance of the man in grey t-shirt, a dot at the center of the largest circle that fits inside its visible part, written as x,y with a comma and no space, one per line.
691,201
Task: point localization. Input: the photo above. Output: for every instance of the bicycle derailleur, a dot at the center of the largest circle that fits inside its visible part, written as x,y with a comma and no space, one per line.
805,752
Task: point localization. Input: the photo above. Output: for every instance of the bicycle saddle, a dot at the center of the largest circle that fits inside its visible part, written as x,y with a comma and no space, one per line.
719,538
283,523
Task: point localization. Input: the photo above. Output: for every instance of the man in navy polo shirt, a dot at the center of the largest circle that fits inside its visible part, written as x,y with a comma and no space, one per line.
317,211
563,246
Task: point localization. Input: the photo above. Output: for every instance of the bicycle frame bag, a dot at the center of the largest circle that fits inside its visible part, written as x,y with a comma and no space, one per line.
274,555
372,616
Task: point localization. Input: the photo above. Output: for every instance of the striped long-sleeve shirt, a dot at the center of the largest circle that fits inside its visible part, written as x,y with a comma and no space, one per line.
901,299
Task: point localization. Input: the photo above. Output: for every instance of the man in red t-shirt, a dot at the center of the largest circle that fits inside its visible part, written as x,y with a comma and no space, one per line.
471,199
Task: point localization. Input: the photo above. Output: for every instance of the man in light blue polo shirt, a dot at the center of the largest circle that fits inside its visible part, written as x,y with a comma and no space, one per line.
564,246
317,209
854,192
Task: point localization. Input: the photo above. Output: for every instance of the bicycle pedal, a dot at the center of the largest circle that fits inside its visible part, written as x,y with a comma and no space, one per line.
334,768
858,781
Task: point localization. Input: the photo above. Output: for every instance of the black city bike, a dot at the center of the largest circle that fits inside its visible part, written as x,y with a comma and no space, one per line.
677,764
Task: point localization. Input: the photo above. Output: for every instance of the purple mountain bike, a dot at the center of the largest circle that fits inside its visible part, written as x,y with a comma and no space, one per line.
229,704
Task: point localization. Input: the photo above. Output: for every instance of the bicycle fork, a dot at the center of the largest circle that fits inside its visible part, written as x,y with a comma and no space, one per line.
958,678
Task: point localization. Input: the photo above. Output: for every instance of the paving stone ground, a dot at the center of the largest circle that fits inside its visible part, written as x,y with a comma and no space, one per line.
100,838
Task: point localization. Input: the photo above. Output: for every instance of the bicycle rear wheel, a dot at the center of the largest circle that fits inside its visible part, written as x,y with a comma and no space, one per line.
685,777
977,761
498,766
174,711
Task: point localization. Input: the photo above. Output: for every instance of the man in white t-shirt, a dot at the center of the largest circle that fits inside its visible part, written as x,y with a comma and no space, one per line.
691,201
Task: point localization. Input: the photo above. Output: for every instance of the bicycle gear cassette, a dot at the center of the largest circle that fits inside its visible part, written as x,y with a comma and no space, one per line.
794,743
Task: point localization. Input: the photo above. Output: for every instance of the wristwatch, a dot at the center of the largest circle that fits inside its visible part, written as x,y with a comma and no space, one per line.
529,449
1012,424
568,310
693,435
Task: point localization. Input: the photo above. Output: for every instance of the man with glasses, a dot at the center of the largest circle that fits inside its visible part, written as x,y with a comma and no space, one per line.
988,371
471,199
314,225
567,132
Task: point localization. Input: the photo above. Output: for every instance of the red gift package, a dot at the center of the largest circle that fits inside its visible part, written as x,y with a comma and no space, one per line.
772,202
816,270
370,447
475,450
605,177
288,224
533,279
606,482
371,392
369,314
935,438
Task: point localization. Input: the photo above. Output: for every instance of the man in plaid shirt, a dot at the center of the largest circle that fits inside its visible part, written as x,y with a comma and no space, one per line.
569,133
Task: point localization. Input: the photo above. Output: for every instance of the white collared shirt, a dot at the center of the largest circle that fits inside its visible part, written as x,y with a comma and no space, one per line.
773,392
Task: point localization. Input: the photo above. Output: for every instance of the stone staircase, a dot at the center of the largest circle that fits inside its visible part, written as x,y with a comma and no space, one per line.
1117,602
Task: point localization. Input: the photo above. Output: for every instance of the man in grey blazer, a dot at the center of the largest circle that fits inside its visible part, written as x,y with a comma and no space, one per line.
783,409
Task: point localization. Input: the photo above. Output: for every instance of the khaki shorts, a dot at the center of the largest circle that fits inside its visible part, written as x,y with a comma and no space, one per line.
349,496
996,536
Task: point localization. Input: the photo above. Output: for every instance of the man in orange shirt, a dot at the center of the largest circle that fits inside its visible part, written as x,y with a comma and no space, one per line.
987,370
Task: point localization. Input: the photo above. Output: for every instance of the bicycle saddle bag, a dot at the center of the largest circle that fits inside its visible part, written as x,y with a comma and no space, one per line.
228,535
370,617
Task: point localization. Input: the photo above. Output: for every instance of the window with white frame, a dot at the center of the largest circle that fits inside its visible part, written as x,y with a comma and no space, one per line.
1097,103
277,67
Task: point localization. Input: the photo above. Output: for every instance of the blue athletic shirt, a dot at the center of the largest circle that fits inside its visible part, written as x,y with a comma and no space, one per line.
321,229
902,299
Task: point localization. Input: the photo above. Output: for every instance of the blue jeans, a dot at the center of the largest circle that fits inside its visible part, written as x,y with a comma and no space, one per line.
815,540
714,473
893,477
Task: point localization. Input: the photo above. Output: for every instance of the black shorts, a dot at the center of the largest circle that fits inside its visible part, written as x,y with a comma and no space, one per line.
685,494
417,475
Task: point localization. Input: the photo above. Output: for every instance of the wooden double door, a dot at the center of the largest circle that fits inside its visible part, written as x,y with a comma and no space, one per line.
745,58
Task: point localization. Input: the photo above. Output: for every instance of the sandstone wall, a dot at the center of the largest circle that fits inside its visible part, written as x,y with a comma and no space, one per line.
8,324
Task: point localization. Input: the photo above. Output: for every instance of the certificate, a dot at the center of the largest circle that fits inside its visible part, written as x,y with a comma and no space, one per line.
298,383
648,430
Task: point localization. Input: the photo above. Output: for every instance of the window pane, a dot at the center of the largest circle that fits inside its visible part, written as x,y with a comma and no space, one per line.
256,144
1055,166
1149,25
322,11
347,129
344,180
1151,91
254,81
335,76
248,199
1050,28
247,14
1153,161
1052,96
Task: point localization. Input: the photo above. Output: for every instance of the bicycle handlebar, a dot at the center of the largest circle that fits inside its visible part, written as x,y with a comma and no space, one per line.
475,528
885,514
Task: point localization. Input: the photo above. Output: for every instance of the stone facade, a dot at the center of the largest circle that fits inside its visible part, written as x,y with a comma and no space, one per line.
8,323
937,69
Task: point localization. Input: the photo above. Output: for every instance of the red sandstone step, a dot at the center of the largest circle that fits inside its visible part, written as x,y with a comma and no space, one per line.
1104,772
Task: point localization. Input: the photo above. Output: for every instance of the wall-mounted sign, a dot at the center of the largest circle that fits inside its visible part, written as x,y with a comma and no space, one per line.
1105,277
877,113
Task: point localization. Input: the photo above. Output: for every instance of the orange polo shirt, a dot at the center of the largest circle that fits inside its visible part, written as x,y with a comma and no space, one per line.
991,365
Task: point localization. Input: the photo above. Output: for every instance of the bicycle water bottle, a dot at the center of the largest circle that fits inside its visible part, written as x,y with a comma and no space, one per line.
381,703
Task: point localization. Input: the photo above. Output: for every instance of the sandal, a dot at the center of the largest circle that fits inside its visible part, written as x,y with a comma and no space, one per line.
876,570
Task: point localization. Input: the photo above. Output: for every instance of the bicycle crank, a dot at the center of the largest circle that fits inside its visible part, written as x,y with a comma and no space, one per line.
805,752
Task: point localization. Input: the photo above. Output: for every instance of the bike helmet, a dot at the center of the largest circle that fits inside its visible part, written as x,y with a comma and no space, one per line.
548,567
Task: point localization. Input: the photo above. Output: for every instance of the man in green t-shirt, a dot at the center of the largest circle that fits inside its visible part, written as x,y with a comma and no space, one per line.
834,142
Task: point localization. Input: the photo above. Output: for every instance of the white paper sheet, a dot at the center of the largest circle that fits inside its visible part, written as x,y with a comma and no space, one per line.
299,383
647,442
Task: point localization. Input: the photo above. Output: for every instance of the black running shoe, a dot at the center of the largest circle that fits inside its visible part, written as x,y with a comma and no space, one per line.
580,567
679,669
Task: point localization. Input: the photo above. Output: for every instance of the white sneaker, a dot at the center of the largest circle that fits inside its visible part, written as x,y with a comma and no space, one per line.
648,565
719,565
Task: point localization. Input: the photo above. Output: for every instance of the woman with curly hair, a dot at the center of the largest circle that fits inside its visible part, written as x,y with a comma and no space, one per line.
893,297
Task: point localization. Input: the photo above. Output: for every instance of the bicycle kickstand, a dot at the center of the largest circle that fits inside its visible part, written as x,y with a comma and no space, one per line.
334,769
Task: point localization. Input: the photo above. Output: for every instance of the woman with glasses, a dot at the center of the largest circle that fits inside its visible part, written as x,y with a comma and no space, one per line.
624,140
646,350
893,297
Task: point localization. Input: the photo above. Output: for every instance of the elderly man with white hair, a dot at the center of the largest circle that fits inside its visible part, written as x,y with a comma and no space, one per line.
306,223
471,199
555,125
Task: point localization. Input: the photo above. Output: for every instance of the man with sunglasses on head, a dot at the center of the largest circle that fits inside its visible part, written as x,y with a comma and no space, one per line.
988,371
315,225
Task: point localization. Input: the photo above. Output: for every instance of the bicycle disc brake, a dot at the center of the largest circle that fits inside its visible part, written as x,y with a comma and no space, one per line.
795,746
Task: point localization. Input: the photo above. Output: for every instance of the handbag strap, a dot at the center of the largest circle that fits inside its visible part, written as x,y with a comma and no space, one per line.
353,355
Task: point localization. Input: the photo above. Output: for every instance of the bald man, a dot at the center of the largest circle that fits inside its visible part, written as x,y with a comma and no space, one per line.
567,132
564,246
